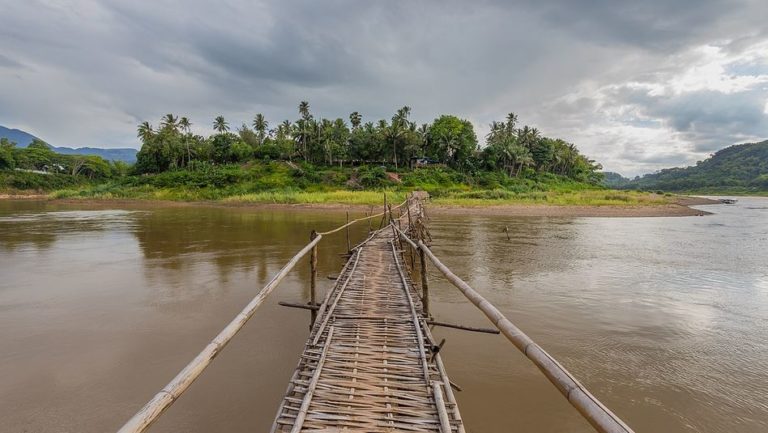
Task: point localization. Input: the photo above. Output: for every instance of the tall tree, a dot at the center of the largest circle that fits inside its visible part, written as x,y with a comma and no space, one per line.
169,122
220,125
304,125
355,119
452,141
260,125
185,125
145,132
398,129
304,109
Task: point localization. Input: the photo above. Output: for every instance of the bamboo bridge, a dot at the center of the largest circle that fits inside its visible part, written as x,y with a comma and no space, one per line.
370,363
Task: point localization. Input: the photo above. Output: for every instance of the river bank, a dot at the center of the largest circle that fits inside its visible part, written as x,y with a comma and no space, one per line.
673,207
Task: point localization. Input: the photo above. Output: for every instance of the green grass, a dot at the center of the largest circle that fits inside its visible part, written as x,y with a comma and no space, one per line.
557,198
321,197
280,182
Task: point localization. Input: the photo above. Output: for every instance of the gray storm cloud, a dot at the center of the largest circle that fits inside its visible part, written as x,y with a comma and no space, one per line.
638,85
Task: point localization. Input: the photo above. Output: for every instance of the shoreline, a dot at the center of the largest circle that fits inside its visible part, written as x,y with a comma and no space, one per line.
680,208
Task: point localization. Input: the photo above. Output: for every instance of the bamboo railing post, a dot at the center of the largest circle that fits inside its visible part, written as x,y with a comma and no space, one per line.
386,217
313,279
349,247
384,214
370,229
424,283
410,231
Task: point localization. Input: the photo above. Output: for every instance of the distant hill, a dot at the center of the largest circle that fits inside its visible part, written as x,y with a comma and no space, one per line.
742,167
614,180
120,154
22,139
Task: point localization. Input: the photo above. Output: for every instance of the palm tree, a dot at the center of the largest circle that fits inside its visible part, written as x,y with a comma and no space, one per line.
423,132
398,128
145,132
260,125
355,119
220,125
511,122
185,125
304,109
169,121
305,116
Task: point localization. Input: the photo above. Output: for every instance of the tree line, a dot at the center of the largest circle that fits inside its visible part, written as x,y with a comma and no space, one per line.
449,140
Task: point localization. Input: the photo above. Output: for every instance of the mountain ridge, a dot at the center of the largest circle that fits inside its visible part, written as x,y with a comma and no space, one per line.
23,139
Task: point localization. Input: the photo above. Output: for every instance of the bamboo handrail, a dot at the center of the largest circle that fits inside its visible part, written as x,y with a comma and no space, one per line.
163,399
337,229
601,418
148,414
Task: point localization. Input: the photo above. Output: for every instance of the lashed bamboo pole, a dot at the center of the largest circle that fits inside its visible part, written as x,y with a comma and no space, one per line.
424,283
590,407
354,221
445,424
433,323
349,246
313,278
312,385
160,402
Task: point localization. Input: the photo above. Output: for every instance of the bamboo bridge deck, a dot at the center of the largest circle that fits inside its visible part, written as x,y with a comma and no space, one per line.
368,363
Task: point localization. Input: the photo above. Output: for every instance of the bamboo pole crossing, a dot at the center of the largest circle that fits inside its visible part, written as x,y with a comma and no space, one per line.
370,363
367,364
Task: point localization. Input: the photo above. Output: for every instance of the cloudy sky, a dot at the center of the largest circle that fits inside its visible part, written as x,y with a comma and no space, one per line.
637,85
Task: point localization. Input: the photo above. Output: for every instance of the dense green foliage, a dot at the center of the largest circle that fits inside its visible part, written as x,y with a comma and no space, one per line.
315,156
739,168
395,144
300,182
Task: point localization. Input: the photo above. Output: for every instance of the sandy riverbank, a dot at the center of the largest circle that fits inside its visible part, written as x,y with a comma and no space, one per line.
681,207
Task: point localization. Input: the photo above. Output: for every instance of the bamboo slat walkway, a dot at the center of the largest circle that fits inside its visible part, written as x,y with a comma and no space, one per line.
368,363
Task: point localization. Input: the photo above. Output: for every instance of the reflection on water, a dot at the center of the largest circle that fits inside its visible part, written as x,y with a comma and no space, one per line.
665,319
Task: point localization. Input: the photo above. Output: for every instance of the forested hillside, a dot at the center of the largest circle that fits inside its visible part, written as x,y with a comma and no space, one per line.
738,168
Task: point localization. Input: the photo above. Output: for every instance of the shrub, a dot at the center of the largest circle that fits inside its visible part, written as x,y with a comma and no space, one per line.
372,177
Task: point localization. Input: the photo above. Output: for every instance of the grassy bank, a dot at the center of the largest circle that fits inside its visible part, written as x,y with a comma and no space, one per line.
284,183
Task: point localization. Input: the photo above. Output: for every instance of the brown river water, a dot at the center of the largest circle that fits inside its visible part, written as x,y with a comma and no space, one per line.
664,319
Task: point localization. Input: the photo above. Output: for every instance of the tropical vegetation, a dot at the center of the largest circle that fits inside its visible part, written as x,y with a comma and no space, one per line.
292,159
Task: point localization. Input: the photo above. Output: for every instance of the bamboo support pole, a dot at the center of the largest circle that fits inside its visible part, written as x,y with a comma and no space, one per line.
171,392
424,283
601,418
370,229
313,279
349,247
444,325
297,305
410,230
